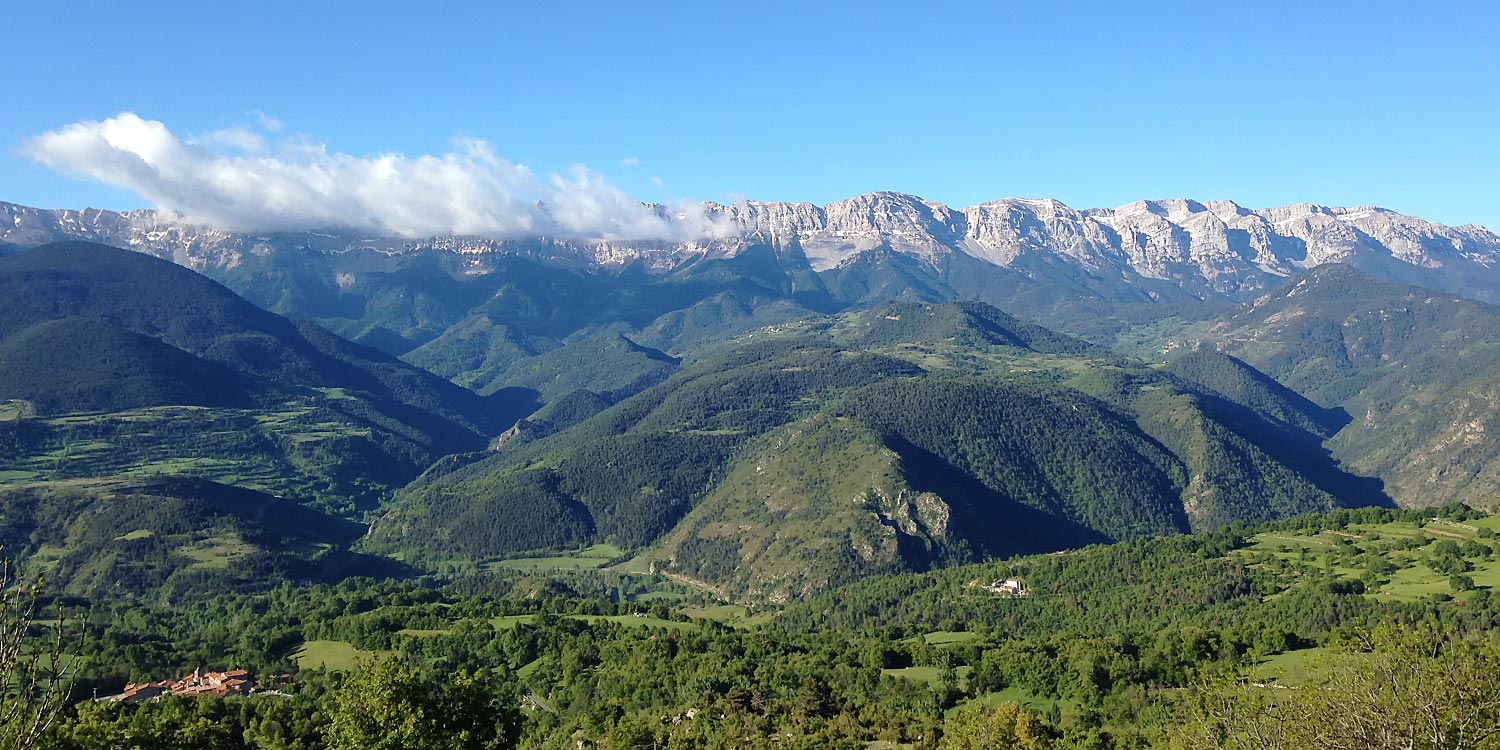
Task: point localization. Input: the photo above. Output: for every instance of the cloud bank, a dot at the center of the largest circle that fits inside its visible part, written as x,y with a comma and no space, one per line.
238,180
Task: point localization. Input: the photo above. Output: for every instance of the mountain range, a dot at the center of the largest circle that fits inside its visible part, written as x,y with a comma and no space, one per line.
818,395
1211,249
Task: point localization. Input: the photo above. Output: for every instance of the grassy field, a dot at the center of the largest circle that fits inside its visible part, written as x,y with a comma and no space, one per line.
13,411
1024,698
929,675
1153,341
639,565
994,360
732,615
1290,668
587,558
528,669
507,622
717,612
641,622
216,553
946,637
666,597
329,655
1393,560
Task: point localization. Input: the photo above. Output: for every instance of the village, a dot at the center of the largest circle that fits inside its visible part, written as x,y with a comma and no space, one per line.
236,682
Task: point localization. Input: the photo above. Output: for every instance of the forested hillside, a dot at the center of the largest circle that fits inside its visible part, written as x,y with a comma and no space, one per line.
84,364
769,462
627,474
118,370
119,364
155,298
176,539
1133,645
521,322
1417,372
903,437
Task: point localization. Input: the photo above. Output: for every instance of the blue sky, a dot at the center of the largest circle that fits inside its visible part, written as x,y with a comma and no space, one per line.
1096,104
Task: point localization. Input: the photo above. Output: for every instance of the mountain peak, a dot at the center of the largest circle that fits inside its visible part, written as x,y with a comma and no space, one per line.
1213,249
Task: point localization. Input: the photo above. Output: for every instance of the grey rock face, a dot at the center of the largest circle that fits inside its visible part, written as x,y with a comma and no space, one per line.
1213,249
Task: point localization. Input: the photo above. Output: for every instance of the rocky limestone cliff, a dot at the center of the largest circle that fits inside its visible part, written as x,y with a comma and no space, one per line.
1216,248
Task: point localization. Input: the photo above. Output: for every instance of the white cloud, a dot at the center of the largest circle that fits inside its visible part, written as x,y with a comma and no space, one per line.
268,122
298,184
630,161
243,139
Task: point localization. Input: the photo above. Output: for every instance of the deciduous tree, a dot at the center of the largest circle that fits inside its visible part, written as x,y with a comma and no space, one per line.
33,678
1407,689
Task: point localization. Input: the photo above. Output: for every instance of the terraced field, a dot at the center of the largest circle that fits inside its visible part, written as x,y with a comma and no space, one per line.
15,410
299,450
